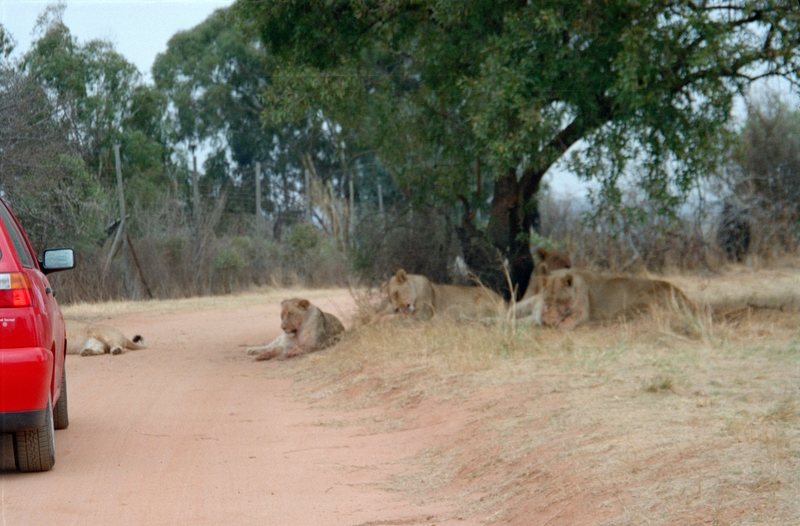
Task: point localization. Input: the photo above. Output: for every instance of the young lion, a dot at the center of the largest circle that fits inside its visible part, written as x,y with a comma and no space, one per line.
571,297
90,339
305,329
529,308
417,296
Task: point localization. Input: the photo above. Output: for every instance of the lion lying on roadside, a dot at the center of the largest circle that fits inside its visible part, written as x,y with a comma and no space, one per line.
305,329
529,308
571,297
416,296
89,339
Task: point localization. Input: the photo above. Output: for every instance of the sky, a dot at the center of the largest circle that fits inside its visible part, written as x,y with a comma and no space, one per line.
139,29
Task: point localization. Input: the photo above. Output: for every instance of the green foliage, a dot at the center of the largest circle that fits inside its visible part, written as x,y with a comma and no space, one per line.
538,240
312,257
303,238
173,248
6,44
215,75
767,157
230,260
96,80
438,83
759,187
104,103
41,174
377,98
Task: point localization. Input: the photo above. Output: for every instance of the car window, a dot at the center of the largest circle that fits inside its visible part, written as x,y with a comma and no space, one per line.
25,257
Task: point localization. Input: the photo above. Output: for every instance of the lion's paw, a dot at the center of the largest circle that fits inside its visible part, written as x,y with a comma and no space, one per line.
268,355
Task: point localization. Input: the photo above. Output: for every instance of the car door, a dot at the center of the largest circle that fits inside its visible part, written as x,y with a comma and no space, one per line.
48,321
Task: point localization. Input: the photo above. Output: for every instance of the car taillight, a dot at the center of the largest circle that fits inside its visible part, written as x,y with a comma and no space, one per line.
15,290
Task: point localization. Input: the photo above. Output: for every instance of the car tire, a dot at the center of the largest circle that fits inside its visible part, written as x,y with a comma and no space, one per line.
60,412
35,449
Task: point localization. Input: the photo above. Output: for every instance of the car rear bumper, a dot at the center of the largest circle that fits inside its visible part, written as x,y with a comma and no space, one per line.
20,420
26,376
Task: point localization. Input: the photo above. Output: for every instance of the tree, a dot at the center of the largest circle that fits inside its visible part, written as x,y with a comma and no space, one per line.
768,156
6,44
512,87
40,171
103,100
762,180
214,75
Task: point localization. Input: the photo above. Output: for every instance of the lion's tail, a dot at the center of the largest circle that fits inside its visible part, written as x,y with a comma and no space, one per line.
137,343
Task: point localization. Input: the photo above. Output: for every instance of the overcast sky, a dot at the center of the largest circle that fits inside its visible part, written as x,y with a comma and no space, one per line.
139,29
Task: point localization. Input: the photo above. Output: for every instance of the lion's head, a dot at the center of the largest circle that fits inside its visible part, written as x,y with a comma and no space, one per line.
554,259
402,292
550,261
560,295
293,313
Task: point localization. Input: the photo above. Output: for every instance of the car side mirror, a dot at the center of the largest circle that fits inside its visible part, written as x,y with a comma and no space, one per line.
55,259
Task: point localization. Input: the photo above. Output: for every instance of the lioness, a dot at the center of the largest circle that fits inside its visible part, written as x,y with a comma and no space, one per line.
89,339
305,329
571,297
529,308
554,259
417,296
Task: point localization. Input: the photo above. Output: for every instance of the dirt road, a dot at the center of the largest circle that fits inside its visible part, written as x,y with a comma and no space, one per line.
191,431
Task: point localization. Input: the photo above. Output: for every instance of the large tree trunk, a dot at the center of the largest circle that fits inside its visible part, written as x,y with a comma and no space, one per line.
513,213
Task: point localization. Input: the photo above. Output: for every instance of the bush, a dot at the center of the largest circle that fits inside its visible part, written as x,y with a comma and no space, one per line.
419,241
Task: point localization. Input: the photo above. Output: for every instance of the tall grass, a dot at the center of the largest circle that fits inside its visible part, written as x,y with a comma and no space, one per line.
168,257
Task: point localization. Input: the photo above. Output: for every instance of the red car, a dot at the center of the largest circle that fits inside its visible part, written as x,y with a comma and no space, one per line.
33,383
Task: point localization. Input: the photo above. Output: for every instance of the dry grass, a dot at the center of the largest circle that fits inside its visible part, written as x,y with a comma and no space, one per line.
667,419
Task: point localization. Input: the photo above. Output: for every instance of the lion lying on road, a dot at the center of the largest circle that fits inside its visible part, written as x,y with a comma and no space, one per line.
571,297
305,329
89,339
529,308
417,296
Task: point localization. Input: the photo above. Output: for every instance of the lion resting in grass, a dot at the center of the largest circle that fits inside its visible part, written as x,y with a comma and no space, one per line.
529,308
89,339
554,259
416,296
571,297
305,329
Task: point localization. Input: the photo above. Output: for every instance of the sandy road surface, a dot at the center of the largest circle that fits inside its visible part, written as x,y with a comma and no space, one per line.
190,431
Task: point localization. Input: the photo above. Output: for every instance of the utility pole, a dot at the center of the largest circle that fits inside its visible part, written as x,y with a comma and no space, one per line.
380,206
258,192
120,192
308,189
195,187
352,225
118,237
122,236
